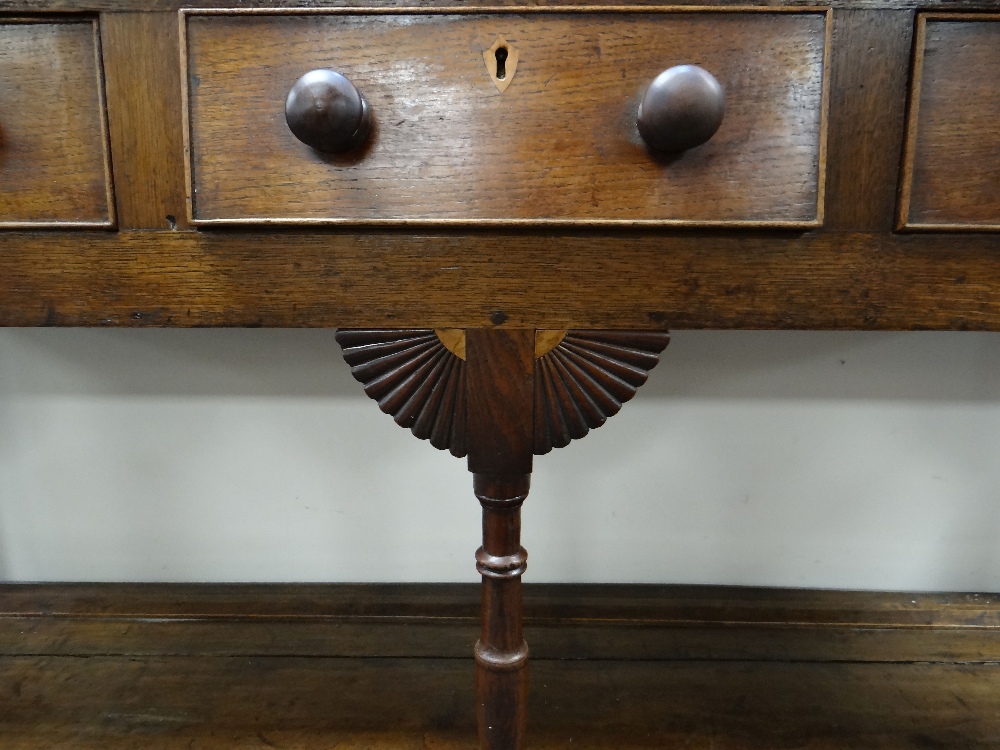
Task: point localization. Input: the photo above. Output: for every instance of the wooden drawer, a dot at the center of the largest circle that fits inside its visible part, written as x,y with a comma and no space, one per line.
54,166
559,145
951,177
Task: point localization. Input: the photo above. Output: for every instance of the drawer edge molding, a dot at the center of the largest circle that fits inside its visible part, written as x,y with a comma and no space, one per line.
109,179
271,221
458,10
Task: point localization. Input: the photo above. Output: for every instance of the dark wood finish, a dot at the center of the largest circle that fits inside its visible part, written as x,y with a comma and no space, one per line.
54,167
580,378
822,280
500,372
160,703
500,376
501,652
120,6
682,108
144,115
326,111
474,395
504,148
415,379
586,378
869,76
178,693
560,145
952,169
584,621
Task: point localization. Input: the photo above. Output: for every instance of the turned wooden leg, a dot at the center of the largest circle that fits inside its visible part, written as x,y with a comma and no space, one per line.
501,396
500,366
501,652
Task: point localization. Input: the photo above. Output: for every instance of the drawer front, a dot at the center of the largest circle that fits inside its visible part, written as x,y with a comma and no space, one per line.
54,166
951,176
558,145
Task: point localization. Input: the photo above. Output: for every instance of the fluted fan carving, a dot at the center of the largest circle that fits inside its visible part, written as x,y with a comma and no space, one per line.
586,378
581,379
415,379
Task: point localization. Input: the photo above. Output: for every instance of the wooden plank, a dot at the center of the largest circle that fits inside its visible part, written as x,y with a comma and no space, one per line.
559,145
144,111
658,602
869,75
427,703
500,397
120,6
454,639
551,280
675,623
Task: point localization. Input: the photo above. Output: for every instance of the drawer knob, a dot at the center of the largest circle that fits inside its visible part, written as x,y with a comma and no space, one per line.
326,111
681,109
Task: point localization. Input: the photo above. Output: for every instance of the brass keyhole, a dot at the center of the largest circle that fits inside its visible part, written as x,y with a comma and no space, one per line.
501,55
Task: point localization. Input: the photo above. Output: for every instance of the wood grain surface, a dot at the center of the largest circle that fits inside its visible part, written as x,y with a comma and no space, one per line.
869,78
857,276
144,113
415,379
499,368
558,145
952,168
79,675
125,6
563,621
416,704
835,280
54,163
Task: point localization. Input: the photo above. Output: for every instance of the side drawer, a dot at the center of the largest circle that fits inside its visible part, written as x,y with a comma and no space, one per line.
951,175
559,144
54,163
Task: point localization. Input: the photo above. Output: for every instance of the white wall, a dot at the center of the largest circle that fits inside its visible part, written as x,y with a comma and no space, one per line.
850,460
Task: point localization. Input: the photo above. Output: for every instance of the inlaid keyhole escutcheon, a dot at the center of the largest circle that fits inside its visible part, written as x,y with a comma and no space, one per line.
501,63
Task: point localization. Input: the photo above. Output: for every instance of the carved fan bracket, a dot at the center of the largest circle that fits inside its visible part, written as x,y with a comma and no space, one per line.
415,379
586,377
581,379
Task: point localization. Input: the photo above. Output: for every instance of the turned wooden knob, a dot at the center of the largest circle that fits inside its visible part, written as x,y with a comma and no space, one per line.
681,109
326,111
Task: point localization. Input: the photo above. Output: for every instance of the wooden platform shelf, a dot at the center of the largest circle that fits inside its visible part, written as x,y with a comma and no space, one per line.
389,666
